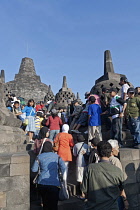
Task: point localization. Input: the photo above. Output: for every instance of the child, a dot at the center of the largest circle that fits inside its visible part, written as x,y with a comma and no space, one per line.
78,150
94,123
38,120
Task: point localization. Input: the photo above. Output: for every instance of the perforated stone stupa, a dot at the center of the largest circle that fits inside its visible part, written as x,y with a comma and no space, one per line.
27,83
109,79
64,94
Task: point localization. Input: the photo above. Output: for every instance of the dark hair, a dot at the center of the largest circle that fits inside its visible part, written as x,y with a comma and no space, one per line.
31,100
54,115
16,102
95,141
104,149
47,147
92,99
80,138
42,132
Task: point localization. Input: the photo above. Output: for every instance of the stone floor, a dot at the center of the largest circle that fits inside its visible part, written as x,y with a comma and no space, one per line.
72,204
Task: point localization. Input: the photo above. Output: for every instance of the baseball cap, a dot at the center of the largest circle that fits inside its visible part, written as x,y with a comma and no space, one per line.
87,94
131,90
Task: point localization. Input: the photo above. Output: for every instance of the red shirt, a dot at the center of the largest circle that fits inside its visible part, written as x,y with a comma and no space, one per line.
39,107
54,123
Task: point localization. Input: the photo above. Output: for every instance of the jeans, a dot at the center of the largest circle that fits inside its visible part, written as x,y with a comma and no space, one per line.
50,196
134,126
116,129
53,134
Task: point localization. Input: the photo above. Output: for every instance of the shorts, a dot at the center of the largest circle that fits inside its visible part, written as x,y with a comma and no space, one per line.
79,174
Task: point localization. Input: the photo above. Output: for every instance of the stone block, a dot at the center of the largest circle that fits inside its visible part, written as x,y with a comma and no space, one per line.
135,154
19,207
19,169
4,170
6,183
2,199
18,197
129,154
20,158
5,158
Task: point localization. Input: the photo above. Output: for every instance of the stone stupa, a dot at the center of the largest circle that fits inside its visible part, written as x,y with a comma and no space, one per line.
27,83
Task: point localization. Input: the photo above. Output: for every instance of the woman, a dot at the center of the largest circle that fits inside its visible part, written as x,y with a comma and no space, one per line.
43,136
30,115
65,141
54,122
48,180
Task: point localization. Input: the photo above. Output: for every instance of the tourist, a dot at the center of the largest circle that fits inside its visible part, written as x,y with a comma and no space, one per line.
54,122
76,113
93,155
48,179
30,115
94,124
103,182
114,154
117,108
38,120
133,116
116,162
17,111
64,140
79,150
39,106
125,85
42,137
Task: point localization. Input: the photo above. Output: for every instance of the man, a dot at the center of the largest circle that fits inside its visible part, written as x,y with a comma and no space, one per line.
94,123
117,108
103,182
125,85
133,115
76,113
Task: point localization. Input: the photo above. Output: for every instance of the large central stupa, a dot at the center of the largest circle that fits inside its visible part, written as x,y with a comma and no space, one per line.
27,83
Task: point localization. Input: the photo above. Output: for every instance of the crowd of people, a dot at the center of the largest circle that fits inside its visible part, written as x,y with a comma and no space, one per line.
57,136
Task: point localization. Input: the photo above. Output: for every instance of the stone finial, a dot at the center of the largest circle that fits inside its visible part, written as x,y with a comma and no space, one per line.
2,76
27,67
78,97
49,89
108,65
64,82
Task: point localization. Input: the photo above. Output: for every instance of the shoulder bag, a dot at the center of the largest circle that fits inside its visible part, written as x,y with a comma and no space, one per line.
63,193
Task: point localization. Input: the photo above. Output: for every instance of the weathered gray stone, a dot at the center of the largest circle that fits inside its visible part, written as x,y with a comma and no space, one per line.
19,169
64,95
5,158
20,158
4,170
2,199
26,83
132,189
22,197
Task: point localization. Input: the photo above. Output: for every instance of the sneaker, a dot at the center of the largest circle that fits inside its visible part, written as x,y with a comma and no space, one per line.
86,132
31,141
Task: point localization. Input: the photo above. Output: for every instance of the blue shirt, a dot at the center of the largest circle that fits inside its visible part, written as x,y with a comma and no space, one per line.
94,111
30,111
48,163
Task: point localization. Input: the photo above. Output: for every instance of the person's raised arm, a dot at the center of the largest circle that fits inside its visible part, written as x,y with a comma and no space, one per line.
35,166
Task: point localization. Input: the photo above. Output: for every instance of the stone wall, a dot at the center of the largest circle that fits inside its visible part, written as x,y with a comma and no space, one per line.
130,159
14,181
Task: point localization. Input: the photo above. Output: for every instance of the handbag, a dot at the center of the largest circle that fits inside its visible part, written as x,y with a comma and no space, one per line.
63,192
35,179
26,120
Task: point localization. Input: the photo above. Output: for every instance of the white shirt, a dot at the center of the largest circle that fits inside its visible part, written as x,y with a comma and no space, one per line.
124,90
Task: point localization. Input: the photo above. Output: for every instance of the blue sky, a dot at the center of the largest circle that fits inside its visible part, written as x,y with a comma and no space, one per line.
69,37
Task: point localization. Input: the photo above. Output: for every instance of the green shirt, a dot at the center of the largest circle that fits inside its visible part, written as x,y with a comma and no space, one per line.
133,107
102,182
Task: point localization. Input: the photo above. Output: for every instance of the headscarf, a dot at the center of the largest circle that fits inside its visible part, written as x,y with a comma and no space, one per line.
43,131
47,147
65,128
